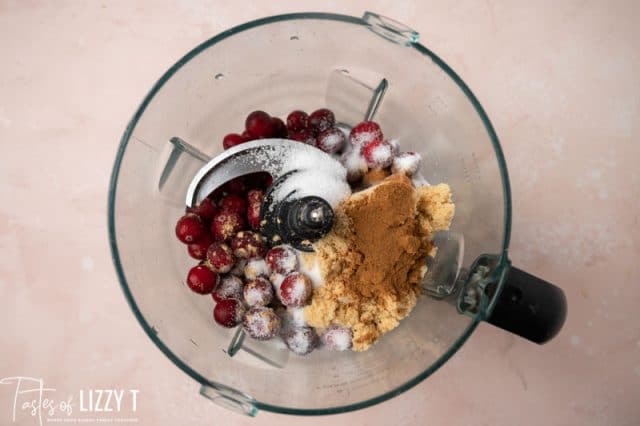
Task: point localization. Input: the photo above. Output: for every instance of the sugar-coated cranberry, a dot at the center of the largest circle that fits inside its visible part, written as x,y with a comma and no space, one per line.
258,292
406,163
256,268
282,259
259,125
297,120
377,154
301,340
279,128
261,323
337,338
206,209
331,140
304,136
295,290
229,287
248,245
190,228
355,164
321,120
198,250
226,225
234,203
220,257
201,279
231,140
365,132
228,313
254,201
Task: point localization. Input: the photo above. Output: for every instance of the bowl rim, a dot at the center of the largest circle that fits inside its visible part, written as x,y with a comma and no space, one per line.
476,319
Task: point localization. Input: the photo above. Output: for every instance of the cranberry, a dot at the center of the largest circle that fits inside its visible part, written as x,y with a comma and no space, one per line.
206,209
190,228
220,257
304,135
406,163
256,268
228,313
254,198
234,203
337,338
331,140
297,120
231,140
201,279
321,120
261,323
365,132
238,268
258,292
279,128
378,154
282,259
198,250
246,136
295,290
248,245
235,186
257,180
229,287
301,340
259,125
226,224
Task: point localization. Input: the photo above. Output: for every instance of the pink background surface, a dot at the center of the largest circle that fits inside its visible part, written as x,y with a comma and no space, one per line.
560,83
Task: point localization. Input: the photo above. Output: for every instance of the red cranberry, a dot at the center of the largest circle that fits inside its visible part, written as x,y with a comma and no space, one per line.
257,180
229,287
301,340
201,279
231,140
234,203
282,259
248,245
297,120
321,120
228,313
331,140
295,290
279,128
304,136
246,136
337,338
226,224
261,323
259,125
190,228
256,268
406,163
258,292
198,250
220,257
206,209
254,198
235,186
377,154
365,132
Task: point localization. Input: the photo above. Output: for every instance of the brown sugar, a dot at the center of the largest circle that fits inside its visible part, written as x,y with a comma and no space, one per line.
373,260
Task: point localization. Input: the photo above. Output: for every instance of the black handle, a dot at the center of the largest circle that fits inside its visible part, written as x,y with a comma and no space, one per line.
529,307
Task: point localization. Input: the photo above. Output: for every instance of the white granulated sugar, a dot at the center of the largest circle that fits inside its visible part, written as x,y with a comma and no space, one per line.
313,272
354,163
295,317
338,339
406,163
289,260
332,142
299,289
381,154
256,268
395,146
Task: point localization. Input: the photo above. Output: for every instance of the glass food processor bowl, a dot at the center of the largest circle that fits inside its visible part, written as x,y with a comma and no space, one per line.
358,67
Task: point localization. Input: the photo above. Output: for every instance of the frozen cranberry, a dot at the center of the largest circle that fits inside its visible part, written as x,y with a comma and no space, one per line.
198,250
337,338
255,196
279,128
355,164
220,257
295,290
304,136
331,140
234,203
226,224
297,120
228,313
321,120
201,279
190,228
406,163
259,125
261,323
231,140
301,340
229,287
377,154
282,259
248,245
206,209
365,132
258,292
235,186
256,268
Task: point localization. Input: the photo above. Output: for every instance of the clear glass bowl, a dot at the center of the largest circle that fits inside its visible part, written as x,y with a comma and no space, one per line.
357,67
